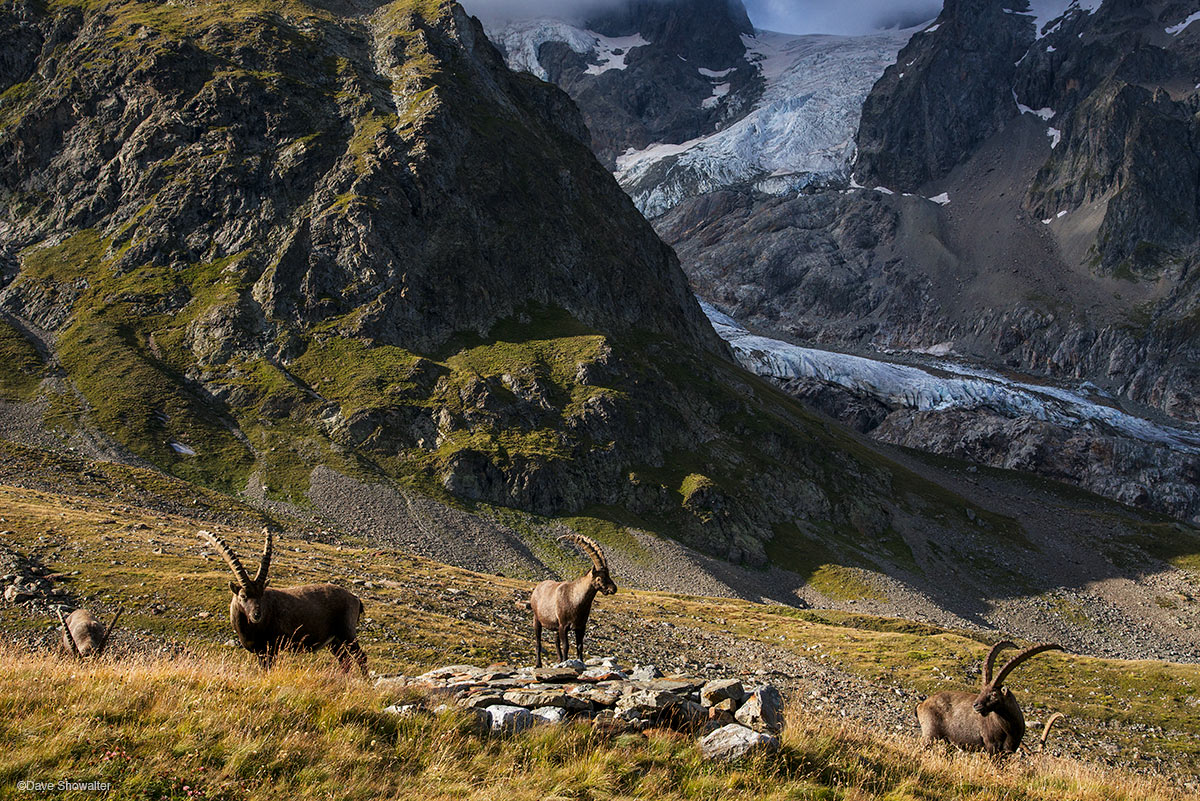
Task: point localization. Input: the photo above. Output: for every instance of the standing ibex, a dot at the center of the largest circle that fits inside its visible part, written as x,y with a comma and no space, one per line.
301,618
84,636
564,605
990,720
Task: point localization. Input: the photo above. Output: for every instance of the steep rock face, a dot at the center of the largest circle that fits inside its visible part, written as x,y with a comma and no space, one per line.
947,92
256,239
408,183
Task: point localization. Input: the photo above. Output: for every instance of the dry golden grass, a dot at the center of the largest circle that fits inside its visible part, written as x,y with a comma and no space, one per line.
216,728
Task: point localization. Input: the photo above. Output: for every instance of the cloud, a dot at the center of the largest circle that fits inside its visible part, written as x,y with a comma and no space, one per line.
839,16
791,16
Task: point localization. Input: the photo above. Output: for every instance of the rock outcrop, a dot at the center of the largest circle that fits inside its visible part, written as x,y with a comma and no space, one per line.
509,699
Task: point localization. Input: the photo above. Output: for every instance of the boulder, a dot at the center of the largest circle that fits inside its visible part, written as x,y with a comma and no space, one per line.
645,673
720,690
735,741
509,718
763,710
555,674
646,703
549,714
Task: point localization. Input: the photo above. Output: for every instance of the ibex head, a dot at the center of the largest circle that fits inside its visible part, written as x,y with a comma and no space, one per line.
249,591
993,694
601,581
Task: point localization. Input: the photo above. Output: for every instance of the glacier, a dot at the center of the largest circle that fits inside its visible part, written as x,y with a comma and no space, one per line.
799,133
522,39
941,385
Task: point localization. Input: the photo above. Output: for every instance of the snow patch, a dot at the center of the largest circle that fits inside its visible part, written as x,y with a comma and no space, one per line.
1175,30
1055,137
523,39
1050,48
612,51
719,91
1062,213
942,199
947,384
1045,113
714,74
181,449
884,190
932,28
1046,11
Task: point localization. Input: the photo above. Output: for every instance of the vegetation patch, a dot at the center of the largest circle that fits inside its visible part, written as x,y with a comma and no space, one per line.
21,365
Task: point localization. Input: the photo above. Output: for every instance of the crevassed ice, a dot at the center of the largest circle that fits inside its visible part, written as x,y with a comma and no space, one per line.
800,132
953,386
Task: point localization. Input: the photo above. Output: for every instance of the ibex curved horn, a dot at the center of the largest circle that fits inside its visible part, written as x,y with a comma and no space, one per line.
265,563
1021,657
235,564
67,631
990,662
1049,723
108,631
589,547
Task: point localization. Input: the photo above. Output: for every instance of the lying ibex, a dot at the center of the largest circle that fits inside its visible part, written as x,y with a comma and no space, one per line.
990,720
84,636
303,618
564,605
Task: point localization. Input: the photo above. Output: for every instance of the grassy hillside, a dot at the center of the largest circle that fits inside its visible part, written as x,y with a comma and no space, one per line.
214,728
206,717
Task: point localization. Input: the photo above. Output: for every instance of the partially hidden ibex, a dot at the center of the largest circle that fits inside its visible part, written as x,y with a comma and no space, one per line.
305,618
565,605
989,720
84,636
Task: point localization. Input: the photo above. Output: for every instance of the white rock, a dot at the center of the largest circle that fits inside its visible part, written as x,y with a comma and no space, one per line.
509,718
736,741
549,714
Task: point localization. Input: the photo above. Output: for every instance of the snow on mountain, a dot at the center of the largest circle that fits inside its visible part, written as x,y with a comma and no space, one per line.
522,39
944,385
1046,11
1175,30
799,133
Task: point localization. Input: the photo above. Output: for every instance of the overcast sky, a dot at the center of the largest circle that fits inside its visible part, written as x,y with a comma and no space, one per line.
791,16
839,16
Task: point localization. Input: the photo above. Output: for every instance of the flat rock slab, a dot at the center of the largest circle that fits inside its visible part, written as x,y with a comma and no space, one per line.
538,698
672,685
735,741
556,674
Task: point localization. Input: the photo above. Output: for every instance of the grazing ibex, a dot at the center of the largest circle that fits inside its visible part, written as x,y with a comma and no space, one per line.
303,618
84,636
990,720
564,605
